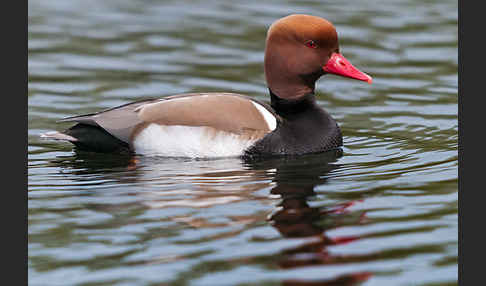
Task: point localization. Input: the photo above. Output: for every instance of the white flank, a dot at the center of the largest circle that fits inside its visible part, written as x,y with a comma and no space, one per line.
267,115
189,141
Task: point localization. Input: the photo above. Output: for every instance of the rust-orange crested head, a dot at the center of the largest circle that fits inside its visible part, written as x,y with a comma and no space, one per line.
299,50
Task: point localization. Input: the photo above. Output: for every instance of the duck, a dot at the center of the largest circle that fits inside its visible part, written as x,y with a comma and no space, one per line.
299,49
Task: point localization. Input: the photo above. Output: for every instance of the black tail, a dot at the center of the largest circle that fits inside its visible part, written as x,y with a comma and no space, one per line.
91,138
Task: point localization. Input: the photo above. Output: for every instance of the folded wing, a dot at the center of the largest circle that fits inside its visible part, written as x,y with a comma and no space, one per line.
226,112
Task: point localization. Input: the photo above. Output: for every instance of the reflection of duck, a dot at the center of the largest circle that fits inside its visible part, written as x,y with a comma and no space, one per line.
295,181
343,280
299,50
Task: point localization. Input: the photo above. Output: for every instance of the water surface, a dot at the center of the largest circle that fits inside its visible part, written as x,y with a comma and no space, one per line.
384,212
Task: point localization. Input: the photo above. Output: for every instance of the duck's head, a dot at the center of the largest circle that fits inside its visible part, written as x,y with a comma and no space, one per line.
299,50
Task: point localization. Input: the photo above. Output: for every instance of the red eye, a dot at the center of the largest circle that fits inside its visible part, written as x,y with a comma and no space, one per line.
311,44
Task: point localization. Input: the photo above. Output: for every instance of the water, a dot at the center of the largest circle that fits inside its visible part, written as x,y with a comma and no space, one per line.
383,213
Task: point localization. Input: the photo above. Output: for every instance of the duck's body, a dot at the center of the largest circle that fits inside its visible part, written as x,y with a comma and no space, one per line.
171,127
228,124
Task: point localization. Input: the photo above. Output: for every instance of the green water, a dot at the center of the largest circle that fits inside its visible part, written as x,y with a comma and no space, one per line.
384,213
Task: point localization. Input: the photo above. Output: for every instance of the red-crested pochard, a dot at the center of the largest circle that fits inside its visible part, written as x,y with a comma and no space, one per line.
299,50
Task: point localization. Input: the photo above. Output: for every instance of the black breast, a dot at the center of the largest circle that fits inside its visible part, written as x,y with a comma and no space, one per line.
305,128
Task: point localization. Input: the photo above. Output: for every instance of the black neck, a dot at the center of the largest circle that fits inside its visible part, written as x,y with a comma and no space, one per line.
292,106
